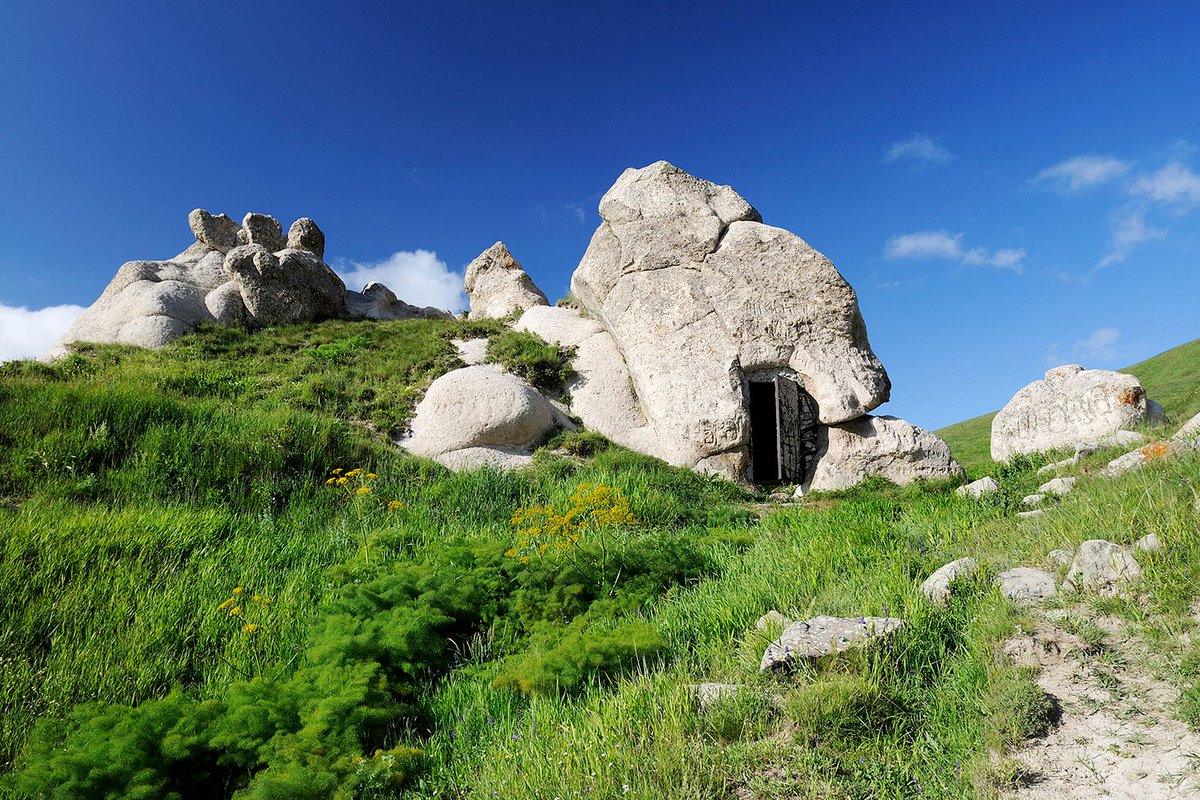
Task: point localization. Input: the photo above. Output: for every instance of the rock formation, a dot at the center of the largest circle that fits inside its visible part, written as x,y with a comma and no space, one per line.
247,274
884,446
497,285
1071,406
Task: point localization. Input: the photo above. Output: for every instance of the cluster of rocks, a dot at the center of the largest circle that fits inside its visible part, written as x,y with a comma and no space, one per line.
249,274
683,299
1098,566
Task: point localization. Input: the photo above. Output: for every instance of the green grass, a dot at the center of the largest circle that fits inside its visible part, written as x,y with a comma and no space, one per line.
1171,378
138,489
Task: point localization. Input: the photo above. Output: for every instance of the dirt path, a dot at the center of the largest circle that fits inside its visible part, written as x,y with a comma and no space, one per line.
1117,736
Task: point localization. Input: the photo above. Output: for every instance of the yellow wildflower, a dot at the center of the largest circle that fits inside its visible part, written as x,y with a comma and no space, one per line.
363,490
337,471
249,628
394,505
235,612
237,590
354,473
225,605
330,481
342,481
371,476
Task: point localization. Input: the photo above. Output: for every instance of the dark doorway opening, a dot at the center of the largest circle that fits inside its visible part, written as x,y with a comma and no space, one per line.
764,433
784,423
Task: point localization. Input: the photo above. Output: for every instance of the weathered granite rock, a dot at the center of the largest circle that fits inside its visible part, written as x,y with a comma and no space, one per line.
218,232
377,301
496,416
305,235
822,636
1069,406
1033,499
884,446
601,390
1037,512
1103,567
696,292
979,488
285,287
497,285
1026,584
1058,486
263,230
937,586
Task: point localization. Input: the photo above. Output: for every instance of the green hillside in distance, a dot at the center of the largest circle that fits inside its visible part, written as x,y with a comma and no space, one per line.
1171,378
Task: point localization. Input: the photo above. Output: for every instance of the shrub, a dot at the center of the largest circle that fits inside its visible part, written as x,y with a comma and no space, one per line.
581,655
546,366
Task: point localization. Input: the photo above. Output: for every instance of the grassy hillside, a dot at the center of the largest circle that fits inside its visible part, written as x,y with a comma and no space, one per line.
221,580
1171,378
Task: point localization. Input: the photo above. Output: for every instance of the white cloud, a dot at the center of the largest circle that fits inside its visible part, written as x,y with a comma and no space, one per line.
1082,172
1129,231
1174,183
418,277
948,246
575,210
1100,346
26,333
920,148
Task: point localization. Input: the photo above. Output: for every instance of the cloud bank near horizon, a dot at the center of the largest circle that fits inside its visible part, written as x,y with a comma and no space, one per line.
30,333
418,277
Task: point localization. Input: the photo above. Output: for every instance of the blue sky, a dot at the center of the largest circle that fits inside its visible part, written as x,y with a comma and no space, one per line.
1007,186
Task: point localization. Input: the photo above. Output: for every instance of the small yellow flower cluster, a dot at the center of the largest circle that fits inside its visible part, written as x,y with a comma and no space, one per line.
237,605
593,507
356,483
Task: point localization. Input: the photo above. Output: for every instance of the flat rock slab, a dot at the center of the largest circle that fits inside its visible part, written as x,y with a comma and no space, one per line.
1037,512
1026,584
823,636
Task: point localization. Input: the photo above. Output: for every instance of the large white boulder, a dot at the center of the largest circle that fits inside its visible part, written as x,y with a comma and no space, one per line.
1070,406
1103,567
696,292
497,285
884,446
480,415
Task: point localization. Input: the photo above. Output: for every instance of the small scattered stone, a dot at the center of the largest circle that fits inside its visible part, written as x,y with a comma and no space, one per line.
709,693
937,586
471,351
1150,543
1061,558
978,488
781,497
1057,465
1033,499
1059,486
1103,567
1037,512
772,620
1026,584
822,636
